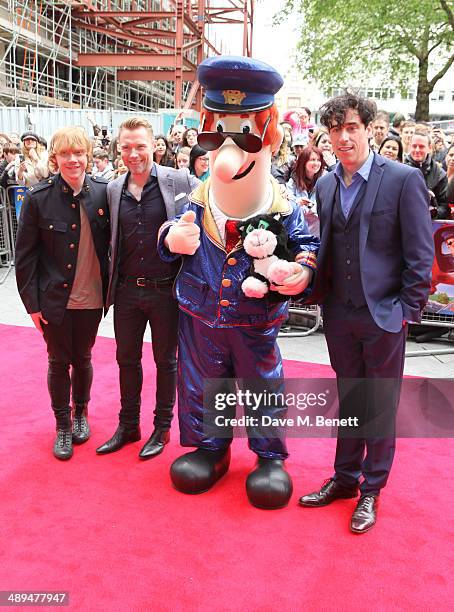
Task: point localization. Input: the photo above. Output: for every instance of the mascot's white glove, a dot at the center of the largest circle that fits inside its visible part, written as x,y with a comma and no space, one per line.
184,236
296,283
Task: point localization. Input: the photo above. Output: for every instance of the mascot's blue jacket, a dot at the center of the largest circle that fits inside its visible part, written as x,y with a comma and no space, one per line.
208,285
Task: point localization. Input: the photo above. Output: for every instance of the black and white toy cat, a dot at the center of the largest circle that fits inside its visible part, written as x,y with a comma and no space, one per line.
265,240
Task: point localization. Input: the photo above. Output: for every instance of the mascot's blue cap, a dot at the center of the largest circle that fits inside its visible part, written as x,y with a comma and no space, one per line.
238,84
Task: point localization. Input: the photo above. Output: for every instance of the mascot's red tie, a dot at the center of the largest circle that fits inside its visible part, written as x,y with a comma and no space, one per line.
232,234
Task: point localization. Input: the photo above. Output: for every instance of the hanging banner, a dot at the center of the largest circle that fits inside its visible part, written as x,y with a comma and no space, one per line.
18,195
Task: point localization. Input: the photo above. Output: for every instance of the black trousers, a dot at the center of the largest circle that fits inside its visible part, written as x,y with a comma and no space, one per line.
70,344
369,363
134,307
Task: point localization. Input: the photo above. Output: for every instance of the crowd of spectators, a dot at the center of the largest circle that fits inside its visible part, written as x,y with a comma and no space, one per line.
304,155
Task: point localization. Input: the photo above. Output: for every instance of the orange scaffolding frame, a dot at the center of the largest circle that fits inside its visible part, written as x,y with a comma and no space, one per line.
160,45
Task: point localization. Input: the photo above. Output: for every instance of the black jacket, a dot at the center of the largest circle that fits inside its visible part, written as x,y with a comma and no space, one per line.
48,240
282,173
436,181
6,180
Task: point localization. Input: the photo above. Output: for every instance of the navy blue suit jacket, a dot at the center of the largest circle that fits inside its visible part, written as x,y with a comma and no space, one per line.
396,246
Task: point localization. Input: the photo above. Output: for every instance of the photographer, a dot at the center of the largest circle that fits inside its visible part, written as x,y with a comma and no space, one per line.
105,138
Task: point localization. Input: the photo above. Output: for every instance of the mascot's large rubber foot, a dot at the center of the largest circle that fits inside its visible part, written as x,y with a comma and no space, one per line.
198,471
269,486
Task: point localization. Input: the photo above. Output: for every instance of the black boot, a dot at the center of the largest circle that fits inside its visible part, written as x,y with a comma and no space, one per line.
123,435
269,486
197,471
63,446
155,445
80,429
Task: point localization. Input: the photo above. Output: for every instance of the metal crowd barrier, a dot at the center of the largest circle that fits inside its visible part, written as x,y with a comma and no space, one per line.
310,314
436,319
7,237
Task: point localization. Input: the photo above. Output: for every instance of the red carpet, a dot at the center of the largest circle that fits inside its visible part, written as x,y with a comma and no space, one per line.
113,532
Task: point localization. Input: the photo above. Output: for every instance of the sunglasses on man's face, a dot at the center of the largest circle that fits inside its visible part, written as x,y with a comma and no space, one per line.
449,242
251,143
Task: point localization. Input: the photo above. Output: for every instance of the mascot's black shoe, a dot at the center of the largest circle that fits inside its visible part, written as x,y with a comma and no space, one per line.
198,471
269,486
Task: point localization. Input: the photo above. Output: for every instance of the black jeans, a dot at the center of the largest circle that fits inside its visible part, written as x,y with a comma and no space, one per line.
70,344
135,307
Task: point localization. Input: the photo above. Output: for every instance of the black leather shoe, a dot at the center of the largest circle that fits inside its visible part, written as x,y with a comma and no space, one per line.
365,515
80,427
122,436
269,486
330,491
197,471
63,446
155,444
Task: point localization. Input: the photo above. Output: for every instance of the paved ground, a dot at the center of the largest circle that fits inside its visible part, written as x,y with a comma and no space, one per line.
309,348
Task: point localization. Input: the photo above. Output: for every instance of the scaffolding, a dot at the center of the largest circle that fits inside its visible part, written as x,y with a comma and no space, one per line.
110,54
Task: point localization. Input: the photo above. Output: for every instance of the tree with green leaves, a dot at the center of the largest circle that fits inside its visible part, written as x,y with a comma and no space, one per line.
342,40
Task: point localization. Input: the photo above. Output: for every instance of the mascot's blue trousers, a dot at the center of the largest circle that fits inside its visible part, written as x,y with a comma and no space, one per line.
228,352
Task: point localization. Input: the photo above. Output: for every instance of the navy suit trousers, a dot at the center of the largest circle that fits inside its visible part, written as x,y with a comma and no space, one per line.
368,362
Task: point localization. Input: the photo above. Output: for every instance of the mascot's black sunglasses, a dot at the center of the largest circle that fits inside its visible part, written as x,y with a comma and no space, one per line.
251,143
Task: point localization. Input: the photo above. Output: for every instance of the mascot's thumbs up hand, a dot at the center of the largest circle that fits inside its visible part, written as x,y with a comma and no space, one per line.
184,236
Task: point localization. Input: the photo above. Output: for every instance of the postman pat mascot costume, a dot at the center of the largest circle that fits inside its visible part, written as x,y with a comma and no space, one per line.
224,333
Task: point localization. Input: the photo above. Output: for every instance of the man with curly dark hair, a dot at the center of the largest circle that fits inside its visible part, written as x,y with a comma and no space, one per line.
373,276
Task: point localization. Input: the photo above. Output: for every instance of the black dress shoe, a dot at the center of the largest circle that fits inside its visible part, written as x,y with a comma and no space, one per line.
63,446
197,471
365,515
155,444
80,427
330,491
122,436
269,486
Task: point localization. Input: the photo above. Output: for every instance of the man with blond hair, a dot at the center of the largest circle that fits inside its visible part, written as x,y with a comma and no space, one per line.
140,283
